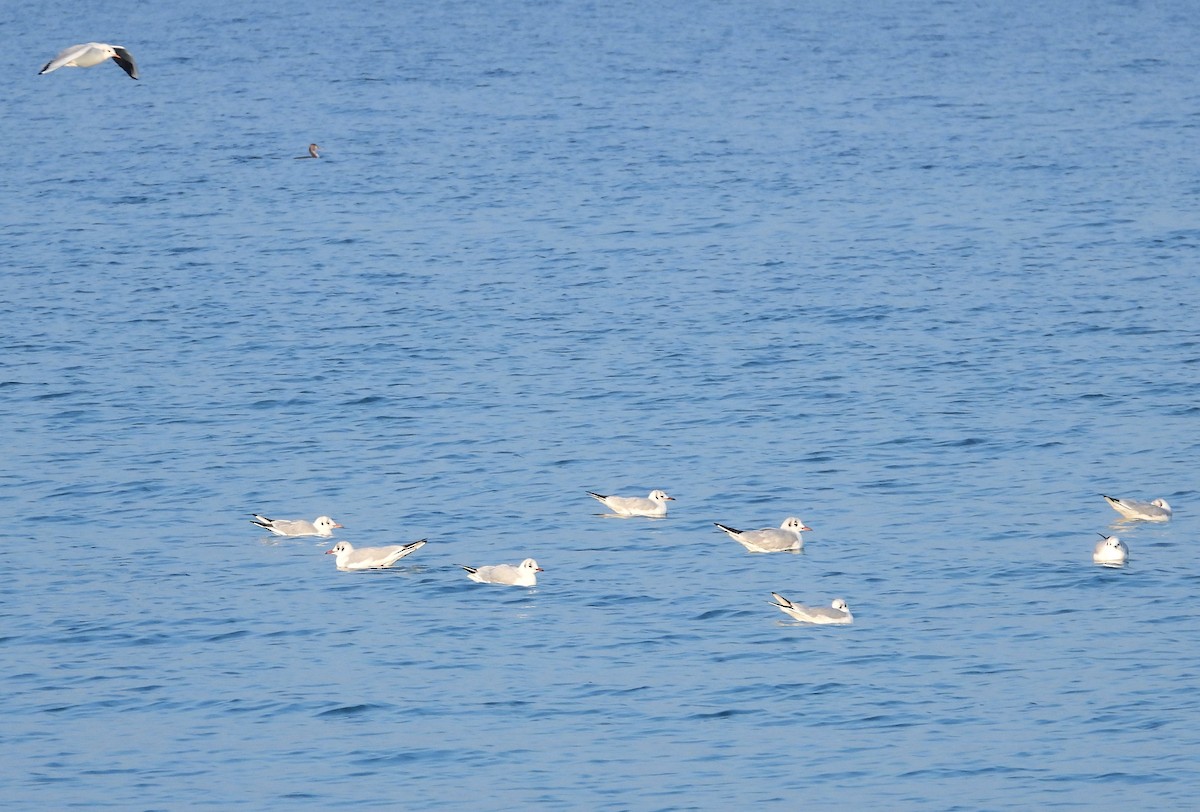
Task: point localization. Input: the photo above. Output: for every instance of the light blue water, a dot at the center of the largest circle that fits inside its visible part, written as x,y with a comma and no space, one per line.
921,274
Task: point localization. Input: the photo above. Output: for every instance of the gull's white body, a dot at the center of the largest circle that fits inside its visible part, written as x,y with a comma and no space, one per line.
1156,511
653,506
90,54
1111,551
371,558
837,612
322,526
787,537
524,574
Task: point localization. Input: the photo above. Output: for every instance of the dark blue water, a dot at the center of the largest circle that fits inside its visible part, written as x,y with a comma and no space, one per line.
921,274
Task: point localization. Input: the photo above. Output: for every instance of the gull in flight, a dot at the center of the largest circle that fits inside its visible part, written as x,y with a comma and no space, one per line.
784,538
1156,511
322,526
371,558
524,574
90,54
838,612
1111,552
654,506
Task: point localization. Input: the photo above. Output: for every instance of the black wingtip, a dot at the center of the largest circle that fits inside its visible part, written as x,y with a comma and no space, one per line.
125,60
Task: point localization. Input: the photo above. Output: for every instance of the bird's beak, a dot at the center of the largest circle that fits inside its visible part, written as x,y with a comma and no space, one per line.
806,527
539,569
327,552
670,498
335,524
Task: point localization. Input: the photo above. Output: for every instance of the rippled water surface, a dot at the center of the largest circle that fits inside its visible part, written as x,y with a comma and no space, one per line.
922,274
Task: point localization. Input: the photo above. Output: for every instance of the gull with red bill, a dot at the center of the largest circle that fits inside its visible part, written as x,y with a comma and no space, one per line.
524,574
653,506
322,526
785,538
371,558
837,612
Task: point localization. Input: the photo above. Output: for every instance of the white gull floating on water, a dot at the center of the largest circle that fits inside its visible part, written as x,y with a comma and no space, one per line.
371,558
1110,552
1156,511
837,612
654,506
524,574
322,526
90,54
780,539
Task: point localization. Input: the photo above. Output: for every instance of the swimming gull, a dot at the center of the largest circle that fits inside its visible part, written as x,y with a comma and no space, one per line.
322,526
524,574
90,54
838,612
1156,511
770,539
1110,551
653,506
371,558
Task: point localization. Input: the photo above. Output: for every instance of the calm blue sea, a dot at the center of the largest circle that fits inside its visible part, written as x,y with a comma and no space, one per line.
920,273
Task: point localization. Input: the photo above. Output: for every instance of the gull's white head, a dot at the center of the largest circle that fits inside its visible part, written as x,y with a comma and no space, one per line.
840,605
660,496
530,565
1162,503
339,548
1110,551
325,525
794,524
